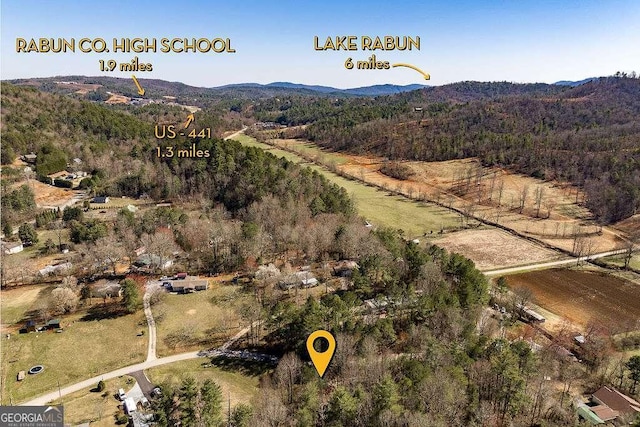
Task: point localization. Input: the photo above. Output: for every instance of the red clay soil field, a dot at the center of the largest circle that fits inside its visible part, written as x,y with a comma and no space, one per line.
584,296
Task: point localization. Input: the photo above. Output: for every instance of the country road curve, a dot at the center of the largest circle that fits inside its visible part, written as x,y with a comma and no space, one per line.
44,399
551,264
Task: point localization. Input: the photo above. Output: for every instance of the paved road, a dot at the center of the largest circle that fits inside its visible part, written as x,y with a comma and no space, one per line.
551,264
127,370
91,382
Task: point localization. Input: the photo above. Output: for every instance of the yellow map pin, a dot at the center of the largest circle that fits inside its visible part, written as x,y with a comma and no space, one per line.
321,360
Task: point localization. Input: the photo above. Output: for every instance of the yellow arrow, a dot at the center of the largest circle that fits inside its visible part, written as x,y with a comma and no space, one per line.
189,120
426,76
140,90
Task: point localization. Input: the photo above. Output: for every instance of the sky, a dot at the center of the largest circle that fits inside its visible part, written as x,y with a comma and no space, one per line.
518,41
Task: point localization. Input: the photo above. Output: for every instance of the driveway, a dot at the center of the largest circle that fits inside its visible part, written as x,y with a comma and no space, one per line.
143,383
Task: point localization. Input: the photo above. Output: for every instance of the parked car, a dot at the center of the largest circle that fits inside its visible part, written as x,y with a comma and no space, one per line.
121,394
156,392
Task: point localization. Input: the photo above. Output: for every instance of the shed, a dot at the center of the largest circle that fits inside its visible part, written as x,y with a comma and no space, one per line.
589,416
30,326
30,158
21,375
100,199
10,248
53,324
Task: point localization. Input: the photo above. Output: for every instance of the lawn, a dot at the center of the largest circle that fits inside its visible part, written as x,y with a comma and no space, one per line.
15,303
236,385
377,206
84,349
200,320
95,407
618,261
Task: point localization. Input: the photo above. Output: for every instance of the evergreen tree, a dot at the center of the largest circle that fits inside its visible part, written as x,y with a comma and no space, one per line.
130,295
27,234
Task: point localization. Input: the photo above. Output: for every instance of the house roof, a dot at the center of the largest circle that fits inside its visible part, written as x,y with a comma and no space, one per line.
189,283
11,245
604,412
616,400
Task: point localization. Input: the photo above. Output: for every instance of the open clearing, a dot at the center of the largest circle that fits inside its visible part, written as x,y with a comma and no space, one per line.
489,193
16,303
84,349
117,99
493,248
238,386
379,207
583,296
200,320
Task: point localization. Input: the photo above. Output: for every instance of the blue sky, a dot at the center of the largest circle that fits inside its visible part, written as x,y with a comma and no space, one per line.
519,41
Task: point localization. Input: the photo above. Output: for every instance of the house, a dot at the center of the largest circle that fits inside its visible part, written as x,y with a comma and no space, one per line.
189,285
345,268
100,199
306,279
10,248
106,289
52,324
152,261
30,158
612,398
52,269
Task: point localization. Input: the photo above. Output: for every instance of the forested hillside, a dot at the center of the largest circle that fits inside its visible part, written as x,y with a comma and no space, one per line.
589,135
120,151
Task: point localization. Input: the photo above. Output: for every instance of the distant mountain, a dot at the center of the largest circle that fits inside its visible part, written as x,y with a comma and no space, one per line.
192,94
575,83
376,90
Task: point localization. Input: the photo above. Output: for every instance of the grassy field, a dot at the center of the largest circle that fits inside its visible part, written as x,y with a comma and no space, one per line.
379,207
618,261
97,408
199,320
17,302
84,349
239,386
